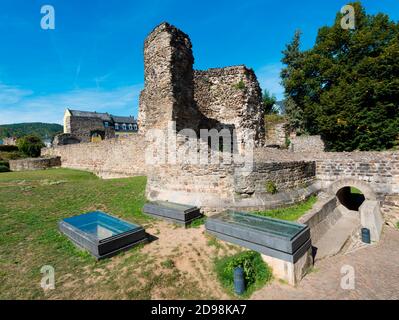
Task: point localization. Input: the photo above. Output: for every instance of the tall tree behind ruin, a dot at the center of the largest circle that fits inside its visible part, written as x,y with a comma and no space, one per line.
346,87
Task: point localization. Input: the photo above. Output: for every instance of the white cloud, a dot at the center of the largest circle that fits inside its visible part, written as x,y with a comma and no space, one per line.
19,105
269,78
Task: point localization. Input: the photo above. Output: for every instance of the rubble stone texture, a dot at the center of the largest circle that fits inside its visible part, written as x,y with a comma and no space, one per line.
213,99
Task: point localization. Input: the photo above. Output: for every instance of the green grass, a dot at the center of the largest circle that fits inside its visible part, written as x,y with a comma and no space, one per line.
291,213
32,203
355,191
257,273
168,264
197,222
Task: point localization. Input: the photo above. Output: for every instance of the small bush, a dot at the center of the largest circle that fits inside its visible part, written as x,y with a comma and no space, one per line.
4,163
287,142
256,272
4,168
240,85
14,155
8,148
168,264
397,224
197,222
271,187
30,145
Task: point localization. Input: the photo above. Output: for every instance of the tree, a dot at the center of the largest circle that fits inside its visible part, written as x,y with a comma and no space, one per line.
292,77
346,87
269,102
30,145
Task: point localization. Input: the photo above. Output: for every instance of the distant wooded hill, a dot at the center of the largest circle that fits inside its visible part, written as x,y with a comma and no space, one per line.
42,130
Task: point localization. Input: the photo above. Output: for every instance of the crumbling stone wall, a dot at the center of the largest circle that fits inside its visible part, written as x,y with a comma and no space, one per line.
113,158
306,144
276,134
82,127
230,98
63,139
212,99
31,164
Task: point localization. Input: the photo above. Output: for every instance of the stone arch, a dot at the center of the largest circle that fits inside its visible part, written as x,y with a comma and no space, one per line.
363,186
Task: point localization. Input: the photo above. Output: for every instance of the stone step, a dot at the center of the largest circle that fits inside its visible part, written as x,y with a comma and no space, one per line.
335,238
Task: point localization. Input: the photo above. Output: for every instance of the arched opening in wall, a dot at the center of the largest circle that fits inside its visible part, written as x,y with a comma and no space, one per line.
97,136
351,197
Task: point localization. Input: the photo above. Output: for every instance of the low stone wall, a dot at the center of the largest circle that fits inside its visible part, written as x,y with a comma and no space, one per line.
31,164
218,187
307,144
376,170
284,175
112,158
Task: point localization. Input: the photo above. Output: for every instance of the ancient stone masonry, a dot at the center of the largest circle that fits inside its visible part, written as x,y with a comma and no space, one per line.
215,99
169,87
212,99
306,144
114,158
230,98
31,164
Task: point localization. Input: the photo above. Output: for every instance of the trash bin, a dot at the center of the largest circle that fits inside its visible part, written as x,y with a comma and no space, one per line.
366,235
239,282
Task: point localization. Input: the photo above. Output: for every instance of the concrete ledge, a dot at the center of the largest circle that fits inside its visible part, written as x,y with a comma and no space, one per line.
371,218
290,272
321,216
31,164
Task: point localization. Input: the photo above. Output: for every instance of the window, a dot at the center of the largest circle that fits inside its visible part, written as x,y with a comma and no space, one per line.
124,126
106,124
130,127
116,126
135,127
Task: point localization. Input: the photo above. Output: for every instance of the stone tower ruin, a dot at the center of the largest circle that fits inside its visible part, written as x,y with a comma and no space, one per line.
169,86
212,99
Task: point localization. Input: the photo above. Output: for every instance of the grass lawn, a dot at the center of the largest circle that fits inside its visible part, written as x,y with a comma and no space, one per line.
32,203
291,213
355,191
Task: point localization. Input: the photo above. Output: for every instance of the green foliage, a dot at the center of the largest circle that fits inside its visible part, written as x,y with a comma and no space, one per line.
4,148
256,272
346,87
291,213
4,163
168,264
42,130
197,222
11,155
274,118
355,191
30,145
271,187
4,168
240,85
397,224
268,102
287,142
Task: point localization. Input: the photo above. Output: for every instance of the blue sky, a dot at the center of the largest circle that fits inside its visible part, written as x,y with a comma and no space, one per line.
93,59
